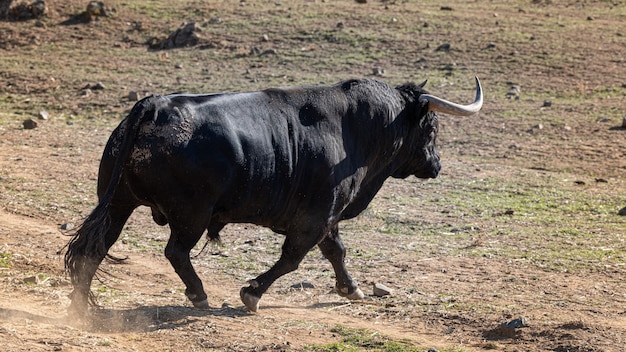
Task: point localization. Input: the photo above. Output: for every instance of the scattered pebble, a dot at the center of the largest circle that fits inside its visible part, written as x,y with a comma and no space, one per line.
516,323
378,71
95,86
43,115
622,212
547,103
30,280
303,285
381,290
445,47
269,52
513,92
29,124
67,226
133,95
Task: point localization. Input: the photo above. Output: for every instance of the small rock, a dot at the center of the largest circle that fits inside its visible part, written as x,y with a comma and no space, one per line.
98,86
589,18
547,103
67,226
133,95
43,115
601,180
446,8
378,71
178,66
30,280
516,323
622,212
265,38
269,52
94,10
513,92
381,290
185,36
604,119
361,1
30,124
445,47
303,285
491,45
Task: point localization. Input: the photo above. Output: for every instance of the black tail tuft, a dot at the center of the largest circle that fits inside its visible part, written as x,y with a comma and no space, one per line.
87,247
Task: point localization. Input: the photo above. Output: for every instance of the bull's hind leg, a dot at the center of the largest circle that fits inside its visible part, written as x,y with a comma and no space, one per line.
332,248
185,235
295,247
83,257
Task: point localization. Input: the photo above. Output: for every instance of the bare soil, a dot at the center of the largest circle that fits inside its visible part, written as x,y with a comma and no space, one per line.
522,223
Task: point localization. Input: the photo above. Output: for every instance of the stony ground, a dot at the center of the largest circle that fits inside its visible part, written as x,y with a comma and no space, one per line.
522,226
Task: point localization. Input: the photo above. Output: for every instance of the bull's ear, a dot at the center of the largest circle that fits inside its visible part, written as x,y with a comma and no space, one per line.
423,84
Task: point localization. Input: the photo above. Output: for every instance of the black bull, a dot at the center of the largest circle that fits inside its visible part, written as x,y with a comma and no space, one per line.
296,160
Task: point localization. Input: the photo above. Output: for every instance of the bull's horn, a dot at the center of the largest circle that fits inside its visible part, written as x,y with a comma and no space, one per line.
447,107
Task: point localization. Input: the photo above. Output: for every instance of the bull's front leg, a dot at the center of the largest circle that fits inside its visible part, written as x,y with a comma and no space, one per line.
293,251
332,248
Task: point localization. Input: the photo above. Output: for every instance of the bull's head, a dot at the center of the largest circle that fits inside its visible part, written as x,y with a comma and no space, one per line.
425,162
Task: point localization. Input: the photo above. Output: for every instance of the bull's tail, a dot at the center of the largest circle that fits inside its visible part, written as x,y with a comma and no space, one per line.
87,247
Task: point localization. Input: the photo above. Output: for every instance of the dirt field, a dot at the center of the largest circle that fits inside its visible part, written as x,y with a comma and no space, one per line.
521,225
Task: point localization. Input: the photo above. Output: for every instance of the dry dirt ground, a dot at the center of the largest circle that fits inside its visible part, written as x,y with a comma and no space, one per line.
522,223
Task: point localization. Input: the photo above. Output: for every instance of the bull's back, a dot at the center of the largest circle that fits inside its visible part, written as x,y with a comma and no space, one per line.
252,160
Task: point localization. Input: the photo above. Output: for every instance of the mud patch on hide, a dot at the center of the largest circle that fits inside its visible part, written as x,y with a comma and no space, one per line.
172,129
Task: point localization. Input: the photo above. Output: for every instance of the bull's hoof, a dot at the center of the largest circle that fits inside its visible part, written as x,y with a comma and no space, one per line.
356,295
203,305
251,301
197,301
78,307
